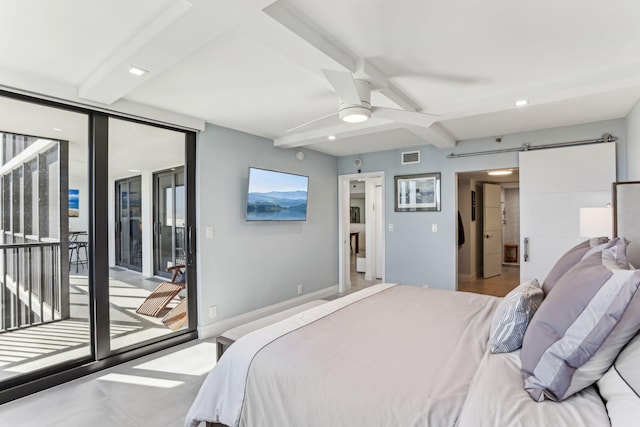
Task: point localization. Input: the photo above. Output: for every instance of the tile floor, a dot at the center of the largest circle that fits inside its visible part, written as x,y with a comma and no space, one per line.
40,346
155,390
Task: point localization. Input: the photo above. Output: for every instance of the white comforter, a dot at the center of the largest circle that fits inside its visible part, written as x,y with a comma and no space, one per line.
221,396
388,355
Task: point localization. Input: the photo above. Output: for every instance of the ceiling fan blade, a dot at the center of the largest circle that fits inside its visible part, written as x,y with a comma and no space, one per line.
319,122
344,85
402,116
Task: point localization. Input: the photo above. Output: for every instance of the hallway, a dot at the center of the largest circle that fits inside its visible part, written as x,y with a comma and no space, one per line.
497,286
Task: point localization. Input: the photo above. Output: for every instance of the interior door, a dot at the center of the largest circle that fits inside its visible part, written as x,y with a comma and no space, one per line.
491,231
554,185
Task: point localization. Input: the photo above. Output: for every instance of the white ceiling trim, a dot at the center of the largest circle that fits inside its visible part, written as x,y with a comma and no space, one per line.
341,130
112,80
435,135
65,94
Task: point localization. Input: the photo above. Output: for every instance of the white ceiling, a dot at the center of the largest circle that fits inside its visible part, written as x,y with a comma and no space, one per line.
255,65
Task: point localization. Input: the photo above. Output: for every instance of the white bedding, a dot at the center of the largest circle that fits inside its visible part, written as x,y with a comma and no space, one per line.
403,356
496,398
221,396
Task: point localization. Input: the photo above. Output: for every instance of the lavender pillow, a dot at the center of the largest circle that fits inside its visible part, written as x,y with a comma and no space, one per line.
569,259
581,326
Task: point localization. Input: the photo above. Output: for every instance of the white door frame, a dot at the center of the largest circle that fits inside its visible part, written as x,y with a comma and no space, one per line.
344,268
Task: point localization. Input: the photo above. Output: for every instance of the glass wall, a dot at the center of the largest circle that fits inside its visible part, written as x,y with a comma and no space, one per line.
80,239
147,286
44,292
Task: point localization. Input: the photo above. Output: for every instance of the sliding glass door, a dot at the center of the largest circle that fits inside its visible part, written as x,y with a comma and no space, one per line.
77,261
169,220
45,321
147,301
129,223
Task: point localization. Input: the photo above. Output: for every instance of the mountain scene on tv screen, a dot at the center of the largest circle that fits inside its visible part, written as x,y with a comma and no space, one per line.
277,206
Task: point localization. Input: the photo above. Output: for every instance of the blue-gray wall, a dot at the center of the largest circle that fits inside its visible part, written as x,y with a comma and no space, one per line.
416,255
251,265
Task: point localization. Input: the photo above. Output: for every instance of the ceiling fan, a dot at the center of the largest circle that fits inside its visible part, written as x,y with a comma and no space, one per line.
355,104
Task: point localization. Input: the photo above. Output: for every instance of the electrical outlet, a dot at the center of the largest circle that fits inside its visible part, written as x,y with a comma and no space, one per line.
210,232
390,227
213,311
299,289
434,228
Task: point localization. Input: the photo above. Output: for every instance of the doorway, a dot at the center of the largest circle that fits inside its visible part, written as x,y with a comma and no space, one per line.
488,232
169,221
129,223
361,230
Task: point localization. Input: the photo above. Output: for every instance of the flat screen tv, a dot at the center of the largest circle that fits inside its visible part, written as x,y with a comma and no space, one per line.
276,196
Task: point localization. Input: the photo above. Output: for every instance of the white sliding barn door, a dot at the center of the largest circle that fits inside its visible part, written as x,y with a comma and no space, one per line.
554,185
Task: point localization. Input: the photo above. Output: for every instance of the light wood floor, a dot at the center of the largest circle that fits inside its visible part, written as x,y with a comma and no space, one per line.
498,286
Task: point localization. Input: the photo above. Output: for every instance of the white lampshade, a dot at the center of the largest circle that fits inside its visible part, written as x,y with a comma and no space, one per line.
596,222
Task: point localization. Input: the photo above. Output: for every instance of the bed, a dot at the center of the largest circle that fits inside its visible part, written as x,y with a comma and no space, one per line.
398,355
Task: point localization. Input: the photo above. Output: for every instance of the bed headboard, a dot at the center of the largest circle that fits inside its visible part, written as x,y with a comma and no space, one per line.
626,217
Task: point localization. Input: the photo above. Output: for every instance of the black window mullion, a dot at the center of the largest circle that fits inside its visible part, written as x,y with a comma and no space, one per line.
98,233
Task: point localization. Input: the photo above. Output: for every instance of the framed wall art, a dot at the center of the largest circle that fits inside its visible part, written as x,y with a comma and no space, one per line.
419,192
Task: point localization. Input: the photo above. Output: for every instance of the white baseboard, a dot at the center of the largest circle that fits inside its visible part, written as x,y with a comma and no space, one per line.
467,277
218,328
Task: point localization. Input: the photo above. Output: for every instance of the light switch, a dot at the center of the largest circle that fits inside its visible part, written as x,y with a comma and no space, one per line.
210,232
390,227
434,228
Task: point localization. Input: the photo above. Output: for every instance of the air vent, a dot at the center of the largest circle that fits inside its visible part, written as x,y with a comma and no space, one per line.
410,157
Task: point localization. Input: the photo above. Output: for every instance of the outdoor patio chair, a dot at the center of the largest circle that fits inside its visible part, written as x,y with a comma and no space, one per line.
164,293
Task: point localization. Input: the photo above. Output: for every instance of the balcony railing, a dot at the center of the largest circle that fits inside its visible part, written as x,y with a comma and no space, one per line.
32,288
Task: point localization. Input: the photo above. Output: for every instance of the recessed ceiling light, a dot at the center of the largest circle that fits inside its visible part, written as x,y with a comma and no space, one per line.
57,130
331,137
500,172
137,71
134,170
521,102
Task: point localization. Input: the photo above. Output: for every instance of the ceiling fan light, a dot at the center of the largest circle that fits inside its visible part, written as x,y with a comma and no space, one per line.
355,118
355,114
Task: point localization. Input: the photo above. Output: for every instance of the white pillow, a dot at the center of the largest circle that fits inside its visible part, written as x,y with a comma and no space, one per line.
620,386
512,317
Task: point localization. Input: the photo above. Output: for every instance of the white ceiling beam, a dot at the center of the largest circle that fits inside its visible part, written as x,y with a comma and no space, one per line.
302,26
539,93
111,80
178,32
385,87
343,130
435,135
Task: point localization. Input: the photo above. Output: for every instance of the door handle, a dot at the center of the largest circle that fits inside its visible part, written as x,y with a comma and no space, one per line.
488,236
526,249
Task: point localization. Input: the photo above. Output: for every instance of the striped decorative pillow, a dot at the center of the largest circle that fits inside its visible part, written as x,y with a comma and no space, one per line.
512,317
574,337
